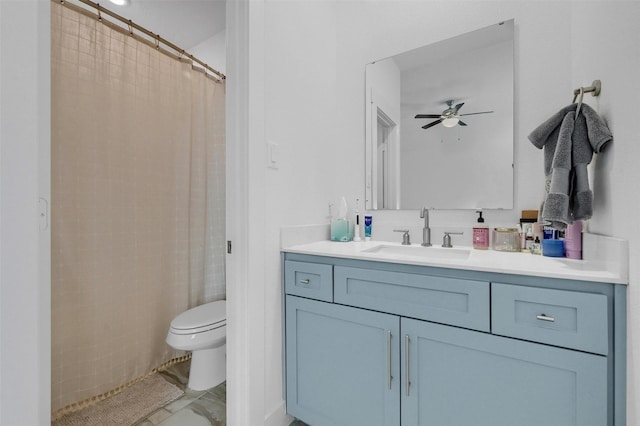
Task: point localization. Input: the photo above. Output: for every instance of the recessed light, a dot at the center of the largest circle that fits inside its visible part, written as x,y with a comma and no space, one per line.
121,2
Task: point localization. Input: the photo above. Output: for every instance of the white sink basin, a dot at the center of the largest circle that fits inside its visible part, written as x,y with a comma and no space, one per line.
417,251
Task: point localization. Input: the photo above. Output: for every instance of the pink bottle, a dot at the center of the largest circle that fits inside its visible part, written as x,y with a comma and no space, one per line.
480,234
573,240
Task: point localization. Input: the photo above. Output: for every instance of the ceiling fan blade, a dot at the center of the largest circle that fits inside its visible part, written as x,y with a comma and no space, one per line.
474,113
462,123
427,116
426,126
457,107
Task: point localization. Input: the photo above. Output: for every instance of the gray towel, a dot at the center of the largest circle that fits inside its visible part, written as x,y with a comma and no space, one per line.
584,144
556,205
569,144
546,135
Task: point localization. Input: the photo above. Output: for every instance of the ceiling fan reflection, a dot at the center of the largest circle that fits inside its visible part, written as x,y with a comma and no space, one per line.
449,117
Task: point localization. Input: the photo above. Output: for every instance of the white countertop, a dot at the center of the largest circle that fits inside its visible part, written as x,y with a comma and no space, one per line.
597,270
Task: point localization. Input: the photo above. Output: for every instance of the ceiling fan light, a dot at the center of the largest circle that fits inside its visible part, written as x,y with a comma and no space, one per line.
450,122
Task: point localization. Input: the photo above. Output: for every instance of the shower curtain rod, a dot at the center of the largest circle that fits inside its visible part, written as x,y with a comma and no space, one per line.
181,52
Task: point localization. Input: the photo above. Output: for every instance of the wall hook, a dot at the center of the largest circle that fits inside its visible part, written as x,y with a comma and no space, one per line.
594,89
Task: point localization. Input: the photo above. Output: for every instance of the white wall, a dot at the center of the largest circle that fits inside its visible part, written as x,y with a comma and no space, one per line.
24,286
303,119
212,51
612,56
315,53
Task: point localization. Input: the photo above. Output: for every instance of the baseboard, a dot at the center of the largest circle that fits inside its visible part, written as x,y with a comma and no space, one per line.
278,417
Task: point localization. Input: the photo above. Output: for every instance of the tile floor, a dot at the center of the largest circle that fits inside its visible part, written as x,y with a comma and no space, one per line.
194,408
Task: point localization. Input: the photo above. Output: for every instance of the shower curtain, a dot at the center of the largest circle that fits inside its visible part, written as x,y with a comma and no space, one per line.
137,202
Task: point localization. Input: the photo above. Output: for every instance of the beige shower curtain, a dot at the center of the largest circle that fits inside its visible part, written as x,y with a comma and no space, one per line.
137,202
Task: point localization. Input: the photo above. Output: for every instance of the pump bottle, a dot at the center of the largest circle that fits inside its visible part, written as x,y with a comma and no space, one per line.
480,234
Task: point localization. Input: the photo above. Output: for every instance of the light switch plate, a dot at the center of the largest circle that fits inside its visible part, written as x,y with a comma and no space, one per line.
272,155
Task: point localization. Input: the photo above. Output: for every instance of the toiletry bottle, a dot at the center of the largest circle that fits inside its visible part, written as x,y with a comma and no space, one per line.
536,247
522,236
528,241
480,234
573,240
537,231
368,221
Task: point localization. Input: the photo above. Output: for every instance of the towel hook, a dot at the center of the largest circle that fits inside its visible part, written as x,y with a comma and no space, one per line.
594,89
580,101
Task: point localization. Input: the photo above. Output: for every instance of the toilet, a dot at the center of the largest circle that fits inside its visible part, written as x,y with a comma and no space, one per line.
203,331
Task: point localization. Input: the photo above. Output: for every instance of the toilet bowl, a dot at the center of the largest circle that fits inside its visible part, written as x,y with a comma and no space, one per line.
203,331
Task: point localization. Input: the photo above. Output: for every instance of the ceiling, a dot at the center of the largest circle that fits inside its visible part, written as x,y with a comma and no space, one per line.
184,23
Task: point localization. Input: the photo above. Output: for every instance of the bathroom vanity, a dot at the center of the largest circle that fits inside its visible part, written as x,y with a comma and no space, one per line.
377,335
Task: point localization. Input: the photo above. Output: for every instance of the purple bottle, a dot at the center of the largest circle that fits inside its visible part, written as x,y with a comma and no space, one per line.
573,240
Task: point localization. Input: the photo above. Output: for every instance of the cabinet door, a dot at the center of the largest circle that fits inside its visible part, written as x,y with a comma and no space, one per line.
461,377
342,364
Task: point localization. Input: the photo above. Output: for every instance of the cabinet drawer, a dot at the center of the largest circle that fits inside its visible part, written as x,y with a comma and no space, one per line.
312,280
563,318
464,303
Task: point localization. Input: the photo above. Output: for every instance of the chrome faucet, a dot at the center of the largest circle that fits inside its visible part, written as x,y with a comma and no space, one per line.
446,240
406,240
426,231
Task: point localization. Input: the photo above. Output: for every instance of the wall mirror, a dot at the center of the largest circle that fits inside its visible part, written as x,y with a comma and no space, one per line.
458,152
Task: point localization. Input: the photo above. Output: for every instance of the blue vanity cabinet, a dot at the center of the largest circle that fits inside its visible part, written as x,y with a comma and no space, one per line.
454,376
342,364
376,343
461,302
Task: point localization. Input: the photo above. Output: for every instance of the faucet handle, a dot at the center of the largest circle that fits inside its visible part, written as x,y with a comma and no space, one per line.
405,237
446,240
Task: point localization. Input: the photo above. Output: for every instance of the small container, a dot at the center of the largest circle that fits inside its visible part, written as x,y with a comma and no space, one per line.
506,239
536,247
537,231
341,230
549,233
528,241
527,220
553,248
573,240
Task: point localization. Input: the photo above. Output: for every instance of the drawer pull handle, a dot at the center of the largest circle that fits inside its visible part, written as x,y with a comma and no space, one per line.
305,282
389,377
407,383
544,317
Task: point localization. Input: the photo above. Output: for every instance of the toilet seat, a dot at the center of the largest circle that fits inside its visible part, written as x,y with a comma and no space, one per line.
200,319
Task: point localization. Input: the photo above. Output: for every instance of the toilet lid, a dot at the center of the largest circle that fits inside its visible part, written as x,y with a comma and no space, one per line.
201,316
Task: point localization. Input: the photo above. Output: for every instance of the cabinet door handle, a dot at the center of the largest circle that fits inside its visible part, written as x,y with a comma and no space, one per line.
305,281
389,359
544,317
407,383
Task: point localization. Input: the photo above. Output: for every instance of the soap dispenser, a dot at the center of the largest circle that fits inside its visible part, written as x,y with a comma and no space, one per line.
480,233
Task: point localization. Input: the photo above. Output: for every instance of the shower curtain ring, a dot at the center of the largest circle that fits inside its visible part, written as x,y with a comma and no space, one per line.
99,13
157,40
130,28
